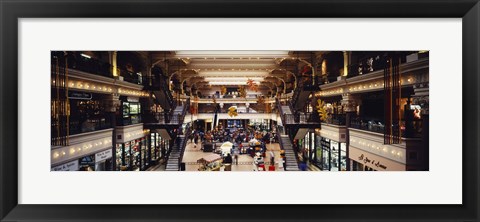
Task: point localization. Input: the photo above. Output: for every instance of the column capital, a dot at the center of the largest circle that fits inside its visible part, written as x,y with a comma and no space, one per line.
112,102
350,102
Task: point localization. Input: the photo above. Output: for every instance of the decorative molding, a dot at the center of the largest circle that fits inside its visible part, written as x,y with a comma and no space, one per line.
412,73
82,145
373,143
86,82
128,133
333,132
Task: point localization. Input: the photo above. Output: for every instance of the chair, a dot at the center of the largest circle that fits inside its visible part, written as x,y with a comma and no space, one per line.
261,166
271,168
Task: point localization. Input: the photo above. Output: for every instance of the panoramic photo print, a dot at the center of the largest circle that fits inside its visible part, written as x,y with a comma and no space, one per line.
240,111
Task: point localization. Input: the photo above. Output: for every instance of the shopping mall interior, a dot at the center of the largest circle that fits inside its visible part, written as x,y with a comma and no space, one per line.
239,111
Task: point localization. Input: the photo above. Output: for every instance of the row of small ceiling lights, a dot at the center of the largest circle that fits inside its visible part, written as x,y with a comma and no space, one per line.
235,69
85,147
102,88
232,69
377,148
372,146
246,58
360,87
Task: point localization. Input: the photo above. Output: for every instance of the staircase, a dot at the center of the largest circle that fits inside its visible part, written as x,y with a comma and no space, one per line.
157,84
176,154
301,95
290,156
285,113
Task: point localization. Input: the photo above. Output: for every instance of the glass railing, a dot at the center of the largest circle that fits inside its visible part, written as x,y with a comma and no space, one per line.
130,120
97,67
90,125
336,119
90,65
372,126
130,76
379,127
366,66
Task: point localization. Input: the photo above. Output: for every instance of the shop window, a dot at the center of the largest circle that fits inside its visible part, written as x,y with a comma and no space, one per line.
87,163
131,113
343,157
88,115
334,156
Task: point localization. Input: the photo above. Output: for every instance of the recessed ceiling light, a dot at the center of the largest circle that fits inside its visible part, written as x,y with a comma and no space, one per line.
86,56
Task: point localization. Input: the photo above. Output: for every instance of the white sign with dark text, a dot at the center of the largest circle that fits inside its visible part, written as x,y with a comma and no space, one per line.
106,154
71,166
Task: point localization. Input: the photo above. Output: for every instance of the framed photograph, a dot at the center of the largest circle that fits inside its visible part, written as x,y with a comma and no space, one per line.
268,110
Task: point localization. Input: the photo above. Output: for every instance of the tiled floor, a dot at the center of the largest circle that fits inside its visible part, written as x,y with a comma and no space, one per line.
245,162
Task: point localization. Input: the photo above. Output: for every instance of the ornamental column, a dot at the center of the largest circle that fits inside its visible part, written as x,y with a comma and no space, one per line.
322,62
349,103
112,105
421,97
113,62
346,62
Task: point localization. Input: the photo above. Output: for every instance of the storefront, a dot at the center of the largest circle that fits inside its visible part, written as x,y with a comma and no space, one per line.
103,160
159,147
366,161
260,124
308,146
132,148
70,166
155,141
330,149
367,152
87,163
130,110
87,112
86,152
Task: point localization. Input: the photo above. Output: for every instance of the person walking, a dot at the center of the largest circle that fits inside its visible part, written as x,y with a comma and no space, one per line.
195,140
235,154
272,158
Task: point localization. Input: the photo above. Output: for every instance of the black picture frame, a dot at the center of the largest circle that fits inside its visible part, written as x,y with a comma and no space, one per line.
11,11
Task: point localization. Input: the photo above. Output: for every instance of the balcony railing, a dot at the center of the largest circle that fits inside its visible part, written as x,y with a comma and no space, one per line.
378,127
130,76
371,126
131,120
365,66
90,65
336,119
289,119
97,67
187,134
90,125
299,118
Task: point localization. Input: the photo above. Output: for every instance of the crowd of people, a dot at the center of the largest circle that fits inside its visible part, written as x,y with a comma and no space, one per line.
255,139
233,136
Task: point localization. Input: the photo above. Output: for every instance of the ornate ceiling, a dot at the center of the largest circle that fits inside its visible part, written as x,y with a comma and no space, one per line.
205,70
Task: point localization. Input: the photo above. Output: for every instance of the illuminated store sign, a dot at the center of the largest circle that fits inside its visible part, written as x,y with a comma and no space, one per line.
79,95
